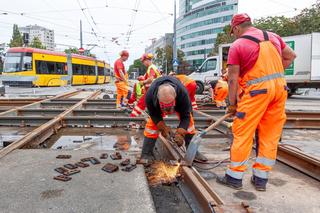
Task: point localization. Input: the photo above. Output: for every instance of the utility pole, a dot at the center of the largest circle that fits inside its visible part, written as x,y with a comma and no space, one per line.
175,58
81,43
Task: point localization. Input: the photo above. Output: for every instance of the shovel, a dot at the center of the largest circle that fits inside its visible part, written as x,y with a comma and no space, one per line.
195,142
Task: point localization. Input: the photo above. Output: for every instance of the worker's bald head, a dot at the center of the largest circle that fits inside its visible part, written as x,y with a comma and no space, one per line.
166,93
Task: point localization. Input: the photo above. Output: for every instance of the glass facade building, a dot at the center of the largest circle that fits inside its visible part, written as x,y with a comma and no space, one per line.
198,24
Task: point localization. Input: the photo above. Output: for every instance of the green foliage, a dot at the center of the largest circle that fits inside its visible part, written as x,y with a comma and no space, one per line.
307,21
73,50
164,58
137,65
16,40
36,43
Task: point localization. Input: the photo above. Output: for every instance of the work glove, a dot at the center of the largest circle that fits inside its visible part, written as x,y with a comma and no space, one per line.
164,129
179,136
231,109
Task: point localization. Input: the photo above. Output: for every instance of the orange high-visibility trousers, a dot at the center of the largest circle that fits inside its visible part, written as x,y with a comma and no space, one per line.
151,129
220,93
260,111
122,92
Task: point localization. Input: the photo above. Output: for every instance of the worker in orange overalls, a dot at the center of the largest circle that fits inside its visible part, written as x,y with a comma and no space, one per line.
166,96
219,92
121,79
138,91
190,85
152,73
257,96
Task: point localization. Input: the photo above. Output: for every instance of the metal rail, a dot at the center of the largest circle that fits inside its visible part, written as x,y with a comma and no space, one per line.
40,134
205,199
15,111
294,158
299,160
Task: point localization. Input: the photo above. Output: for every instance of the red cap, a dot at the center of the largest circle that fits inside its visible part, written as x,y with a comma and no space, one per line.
146,56
124,53
239,19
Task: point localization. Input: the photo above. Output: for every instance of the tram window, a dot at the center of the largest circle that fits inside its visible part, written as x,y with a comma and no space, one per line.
41,67
92,70
51,67
100,71
60,68
76,69
85,70
108,72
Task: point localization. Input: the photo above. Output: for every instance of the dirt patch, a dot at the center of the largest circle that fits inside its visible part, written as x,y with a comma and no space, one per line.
243,195
168,199
277,181
51,194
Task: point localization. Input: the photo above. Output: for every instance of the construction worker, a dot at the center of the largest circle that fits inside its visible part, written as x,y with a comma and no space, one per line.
257,96
121,79
219,92
190,85
138,91
165,96
151,74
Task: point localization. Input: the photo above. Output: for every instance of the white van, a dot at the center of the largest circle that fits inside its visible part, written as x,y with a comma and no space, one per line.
304,72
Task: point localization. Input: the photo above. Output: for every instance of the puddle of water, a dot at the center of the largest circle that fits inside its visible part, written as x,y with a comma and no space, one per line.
97,142
8,138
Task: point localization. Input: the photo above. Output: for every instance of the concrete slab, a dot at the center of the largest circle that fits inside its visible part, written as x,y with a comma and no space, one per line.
27,185
288,189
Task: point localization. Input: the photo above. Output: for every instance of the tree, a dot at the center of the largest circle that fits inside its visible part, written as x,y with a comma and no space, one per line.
164,58
16,40
280,25
73,50
137,64
222,38
36,43
307,21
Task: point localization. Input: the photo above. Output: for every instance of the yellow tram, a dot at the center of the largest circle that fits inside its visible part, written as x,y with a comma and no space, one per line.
37,67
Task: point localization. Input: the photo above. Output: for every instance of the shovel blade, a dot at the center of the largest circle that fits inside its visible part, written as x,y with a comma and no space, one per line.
192,150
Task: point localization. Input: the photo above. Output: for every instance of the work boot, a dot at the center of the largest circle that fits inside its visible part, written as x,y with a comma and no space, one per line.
230,182
259,183
147,148
199,156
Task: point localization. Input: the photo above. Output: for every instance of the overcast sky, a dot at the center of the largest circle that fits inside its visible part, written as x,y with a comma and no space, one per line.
152,19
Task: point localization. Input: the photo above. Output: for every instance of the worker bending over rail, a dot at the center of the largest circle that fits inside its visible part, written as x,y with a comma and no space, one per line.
257,96
121,79
219,92
190,85
152,73
165,96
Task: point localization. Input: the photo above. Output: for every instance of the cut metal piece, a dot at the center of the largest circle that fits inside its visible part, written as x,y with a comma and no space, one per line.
126,162
104,156
81,164
94,161
70,166
62,178
63,156
129,168
110,168
62,170
116,156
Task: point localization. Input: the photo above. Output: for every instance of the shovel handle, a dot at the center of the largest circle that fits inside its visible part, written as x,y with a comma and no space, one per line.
215,124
